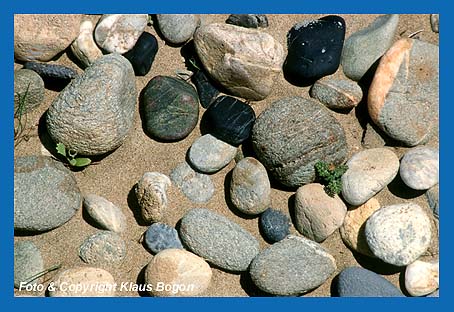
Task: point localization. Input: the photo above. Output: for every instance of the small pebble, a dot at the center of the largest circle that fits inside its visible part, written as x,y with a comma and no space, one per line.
160,236
196,186
177,28
105,213
419,168
274,225
28,91
434,22
337,94
248,20
104,248
421,278
84,47
205,88
27,262
51,71
143,53
432,196
151,196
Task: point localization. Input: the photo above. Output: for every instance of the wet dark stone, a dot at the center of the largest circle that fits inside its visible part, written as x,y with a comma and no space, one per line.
205,88
143,53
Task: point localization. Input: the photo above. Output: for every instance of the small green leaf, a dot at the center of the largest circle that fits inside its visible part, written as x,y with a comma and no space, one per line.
61,149
82,162
72,162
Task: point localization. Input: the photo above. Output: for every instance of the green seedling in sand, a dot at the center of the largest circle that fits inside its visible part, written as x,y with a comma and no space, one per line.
20,118
331,176
71,156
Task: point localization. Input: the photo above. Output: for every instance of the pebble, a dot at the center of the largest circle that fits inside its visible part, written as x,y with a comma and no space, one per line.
218,240
29,83
46,194
230,120
434,22
94,113
118,33
419,168
205,88
209,154
27,262
51,71
105,213
196,186
364,47
292,266
274,225
369,171
399,234
143,53
187,274
161,236
352,230
244,61
87,281
422,278
104,248
171,108
314,49
177,28
41,37
432,196
292,134
403,96
248,20
359,282
250,188
84,47
337,94
151,196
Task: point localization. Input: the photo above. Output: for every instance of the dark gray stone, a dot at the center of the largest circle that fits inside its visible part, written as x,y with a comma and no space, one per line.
104,248
177,28
143,53
274,224
206,89
27,262
27,82
160,236
248,20
51,71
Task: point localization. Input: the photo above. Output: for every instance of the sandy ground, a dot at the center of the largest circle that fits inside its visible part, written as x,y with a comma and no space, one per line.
115,175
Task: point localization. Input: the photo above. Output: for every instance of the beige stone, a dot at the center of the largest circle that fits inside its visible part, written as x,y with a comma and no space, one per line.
422,278
151,195
84,47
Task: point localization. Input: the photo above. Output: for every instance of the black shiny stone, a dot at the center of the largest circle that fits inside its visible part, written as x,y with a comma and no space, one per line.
205,88
248,20
143,53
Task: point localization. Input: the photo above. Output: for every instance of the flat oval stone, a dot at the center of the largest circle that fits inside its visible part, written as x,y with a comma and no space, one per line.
84,47
171,108
364,47
368,172
250,188
292,134
27,262
104,248
105,213
230,120
209,154
28,91
46,194
84,281
143,53
161,236
186,274
177,28
336,93
422,278
196,186
248,20
218,240
274,225
419,168
399,234
292,266
205,88
403,96
151,193
314,49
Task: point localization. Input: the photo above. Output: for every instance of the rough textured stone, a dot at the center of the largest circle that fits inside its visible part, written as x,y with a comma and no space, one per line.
337,94
205,88
248,20
368,172
434,22
419,168
104,248
292,266
151,195
244,61
399,234
95,112
403,96
105,213
292,134
421,278
160,236
46,194
188,274
218,240
274,225
143,53
364,47
432,195
197,187
29,88
84,47
177,28
27,262
52,71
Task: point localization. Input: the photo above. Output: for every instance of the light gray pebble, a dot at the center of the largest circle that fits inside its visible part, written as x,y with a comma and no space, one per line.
104,248
105,213
419,168
340,94
177,28
28,91
27,262
194,185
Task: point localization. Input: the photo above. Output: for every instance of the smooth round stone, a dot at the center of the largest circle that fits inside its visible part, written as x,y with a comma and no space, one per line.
160,236
352,230
274,225
28,87
105,213
419,168
205,88
248,20
218,240
27,262
177,28
359,282
143,53
368,172
292,134
104,248
399,234
364,47
292,266
245,61
421,278
432,196
118,33
94,113
86,281
250,188
46,194
209,154
196,186
317,214
171,108
53,72
151,195
336,93
230,120
187,274
84,47
41,37
403,95
434,22
314,49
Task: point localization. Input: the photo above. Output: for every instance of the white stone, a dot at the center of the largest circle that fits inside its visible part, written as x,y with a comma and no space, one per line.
421,278
105,213
84,47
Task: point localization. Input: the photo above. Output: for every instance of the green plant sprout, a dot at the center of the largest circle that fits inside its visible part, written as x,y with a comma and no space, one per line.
71,156
21,117
331,177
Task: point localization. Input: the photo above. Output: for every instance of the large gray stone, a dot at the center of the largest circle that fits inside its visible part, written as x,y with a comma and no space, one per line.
27,262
